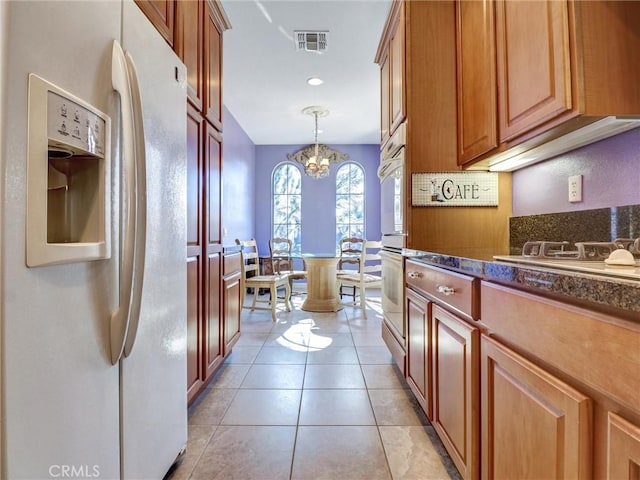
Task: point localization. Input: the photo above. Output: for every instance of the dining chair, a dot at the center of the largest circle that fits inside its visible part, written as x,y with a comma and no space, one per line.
350,251
369,274
282,261
251,278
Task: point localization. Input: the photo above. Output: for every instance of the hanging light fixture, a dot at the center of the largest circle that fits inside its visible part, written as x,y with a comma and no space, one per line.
316,159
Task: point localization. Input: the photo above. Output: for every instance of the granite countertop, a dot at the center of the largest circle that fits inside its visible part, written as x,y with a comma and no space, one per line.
607,294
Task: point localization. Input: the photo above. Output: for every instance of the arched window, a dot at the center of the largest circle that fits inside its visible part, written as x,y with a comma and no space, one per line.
287,199
349,202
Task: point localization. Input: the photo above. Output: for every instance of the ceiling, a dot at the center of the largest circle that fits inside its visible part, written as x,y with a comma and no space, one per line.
264,77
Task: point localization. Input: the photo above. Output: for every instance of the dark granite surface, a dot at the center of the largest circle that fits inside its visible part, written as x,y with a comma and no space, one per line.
608,294
597,225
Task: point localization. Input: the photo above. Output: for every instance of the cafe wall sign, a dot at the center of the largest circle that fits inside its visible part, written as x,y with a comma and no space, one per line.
454,189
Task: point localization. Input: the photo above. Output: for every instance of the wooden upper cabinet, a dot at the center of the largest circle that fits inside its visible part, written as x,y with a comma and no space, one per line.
385,101
215,23
533,63
189,46
397,73
161,14
476,78
546,67
391,58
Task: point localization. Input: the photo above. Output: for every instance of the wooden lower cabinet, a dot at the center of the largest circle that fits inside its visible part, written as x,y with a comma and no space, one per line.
194,327
231,301
418,371
623,449
455,389
212,339
533,424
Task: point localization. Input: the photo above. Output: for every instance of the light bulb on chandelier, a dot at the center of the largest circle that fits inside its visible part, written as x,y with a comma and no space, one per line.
316,159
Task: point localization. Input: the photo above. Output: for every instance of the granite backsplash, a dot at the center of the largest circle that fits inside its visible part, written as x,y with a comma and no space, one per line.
597,225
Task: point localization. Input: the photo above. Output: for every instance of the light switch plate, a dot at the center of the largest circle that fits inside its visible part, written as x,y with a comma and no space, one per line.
575,188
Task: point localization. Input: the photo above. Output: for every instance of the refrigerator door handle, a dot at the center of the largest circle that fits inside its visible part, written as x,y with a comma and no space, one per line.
121,318
141,205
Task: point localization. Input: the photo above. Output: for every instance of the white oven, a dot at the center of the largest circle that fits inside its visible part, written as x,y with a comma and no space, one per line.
392,191
392,292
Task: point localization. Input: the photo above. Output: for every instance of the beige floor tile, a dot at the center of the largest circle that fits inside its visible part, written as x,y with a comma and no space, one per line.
333,355
412,455
333,376
251,452
324,326
336,407
396,407
250,339
368,339
374,355
294,338
211,406
245,355
274,376
345,453
319,340
257,325
281,356
264,407
383,376
199,436
230,375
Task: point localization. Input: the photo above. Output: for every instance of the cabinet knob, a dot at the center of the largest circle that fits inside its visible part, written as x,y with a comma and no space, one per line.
445,290
414,274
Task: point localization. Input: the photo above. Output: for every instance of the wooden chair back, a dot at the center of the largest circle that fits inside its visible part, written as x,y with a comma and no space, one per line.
280,251
251,258
350,251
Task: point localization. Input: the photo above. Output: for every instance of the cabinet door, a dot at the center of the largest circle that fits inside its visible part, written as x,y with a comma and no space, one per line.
160,13
533,425
194,330
476,78
419,349
623,449
397,73
455,389
189,46
534,75
213,68
212,347
231,288
385,101
213,248
194,252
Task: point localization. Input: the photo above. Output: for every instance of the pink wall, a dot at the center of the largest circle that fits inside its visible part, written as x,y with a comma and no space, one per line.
611,177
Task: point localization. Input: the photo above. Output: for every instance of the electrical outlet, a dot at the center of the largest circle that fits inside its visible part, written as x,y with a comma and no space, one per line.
575,188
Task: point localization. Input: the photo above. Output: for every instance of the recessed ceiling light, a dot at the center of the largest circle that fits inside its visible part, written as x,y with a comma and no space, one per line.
314,81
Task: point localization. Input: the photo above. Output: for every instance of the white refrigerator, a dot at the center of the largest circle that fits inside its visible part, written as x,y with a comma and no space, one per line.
67,410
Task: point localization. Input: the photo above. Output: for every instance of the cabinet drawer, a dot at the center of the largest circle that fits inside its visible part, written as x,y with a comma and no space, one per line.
453,290
231,264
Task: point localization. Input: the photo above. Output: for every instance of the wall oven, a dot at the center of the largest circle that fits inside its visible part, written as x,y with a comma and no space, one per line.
392,293
392,191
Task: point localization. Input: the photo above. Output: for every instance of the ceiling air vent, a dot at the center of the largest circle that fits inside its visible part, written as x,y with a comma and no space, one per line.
311,41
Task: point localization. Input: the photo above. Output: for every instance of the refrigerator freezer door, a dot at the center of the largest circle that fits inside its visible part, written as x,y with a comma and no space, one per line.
153,376
60,389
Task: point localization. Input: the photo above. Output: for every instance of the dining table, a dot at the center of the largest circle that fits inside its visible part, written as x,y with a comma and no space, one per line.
322,295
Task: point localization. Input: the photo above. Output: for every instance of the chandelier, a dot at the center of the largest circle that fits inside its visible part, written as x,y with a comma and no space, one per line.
316,159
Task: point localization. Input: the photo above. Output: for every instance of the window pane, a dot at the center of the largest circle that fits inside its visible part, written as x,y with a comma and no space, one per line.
350,202
287,200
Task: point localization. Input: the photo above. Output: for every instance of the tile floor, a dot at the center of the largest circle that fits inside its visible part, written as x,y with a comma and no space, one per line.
311,396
